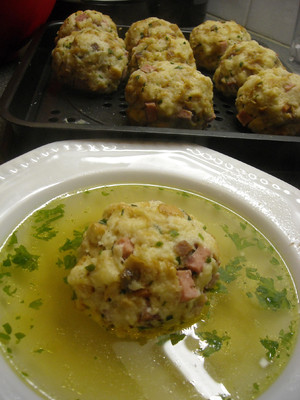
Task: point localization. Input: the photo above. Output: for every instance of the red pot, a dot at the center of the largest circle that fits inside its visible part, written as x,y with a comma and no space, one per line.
19,19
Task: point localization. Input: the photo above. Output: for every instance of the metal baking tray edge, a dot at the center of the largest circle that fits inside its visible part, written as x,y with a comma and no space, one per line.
28,73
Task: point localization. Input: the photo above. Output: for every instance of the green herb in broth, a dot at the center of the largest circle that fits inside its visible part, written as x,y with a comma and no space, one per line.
212,342
241,343
43,220
21,258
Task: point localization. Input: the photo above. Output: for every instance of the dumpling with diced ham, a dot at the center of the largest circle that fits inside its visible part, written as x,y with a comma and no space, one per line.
143,269
90,60
169,48
86,19
210,39
169,94
240,61
269,102
150,27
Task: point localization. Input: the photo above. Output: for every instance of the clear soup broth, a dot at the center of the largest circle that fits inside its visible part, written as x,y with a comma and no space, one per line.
242,342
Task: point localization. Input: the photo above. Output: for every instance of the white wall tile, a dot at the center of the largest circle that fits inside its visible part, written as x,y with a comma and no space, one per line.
236,10
275,19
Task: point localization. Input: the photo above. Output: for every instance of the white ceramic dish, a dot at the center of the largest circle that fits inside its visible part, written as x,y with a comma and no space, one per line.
270,204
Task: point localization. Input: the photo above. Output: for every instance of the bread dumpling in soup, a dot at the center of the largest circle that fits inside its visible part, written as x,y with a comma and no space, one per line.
143,269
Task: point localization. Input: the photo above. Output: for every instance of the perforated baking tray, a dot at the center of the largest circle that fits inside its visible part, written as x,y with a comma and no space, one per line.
37,105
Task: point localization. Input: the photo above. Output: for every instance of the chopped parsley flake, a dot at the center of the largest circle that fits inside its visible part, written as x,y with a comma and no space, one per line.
200,236
174,337
230,272
240,242
39,351
7,328
255,386
44,218
274,261
36,304
243,225
22,258
286,338
251,273
266,293
72,244
90,267
45,232
261,244
19,336
184,194
269,297
218,288
271,346
7,289
213,342
13,239
69,261
4,336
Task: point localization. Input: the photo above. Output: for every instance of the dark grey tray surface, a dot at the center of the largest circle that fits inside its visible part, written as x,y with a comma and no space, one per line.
34,102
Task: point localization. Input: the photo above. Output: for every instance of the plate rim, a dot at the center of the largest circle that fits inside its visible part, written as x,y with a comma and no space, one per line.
239,181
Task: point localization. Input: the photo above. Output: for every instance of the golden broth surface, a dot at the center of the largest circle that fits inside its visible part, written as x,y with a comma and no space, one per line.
241,343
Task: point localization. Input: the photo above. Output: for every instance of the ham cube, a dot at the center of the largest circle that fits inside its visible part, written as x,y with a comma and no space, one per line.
195,261
188,288
127,245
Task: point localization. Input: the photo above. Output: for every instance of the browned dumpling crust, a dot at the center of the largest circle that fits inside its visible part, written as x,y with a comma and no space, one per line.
269,102
144,268
91,60
86,19
210,40
152,26
167,48
239,61
167,94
